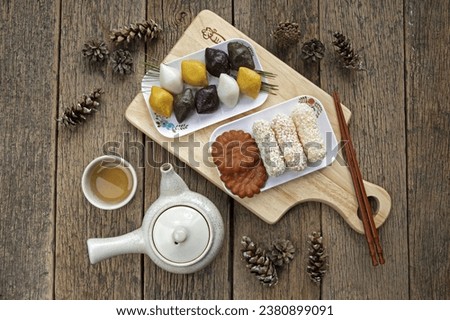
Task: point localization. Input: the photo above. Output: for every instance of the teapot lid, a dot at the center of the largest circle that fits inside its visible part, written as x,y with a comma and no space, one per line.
181,234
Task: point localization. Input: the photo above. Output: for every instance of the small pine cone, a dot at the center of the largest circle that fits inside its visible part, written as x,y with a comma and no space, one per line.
313,50
344,49
282,252
248,248
95,51
77,114
122,62
286,34
146,30
258,262
264,270
317,261
95,95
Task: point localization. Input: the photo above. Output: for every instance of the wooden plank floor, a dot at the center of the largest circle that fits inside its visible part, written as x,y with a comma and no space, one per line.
400,125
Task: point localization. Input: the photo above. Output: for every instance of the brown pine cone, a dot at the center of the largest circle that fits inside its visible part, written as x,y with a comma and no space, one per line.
122,62
286,34
282,252
313,50
347,55
146,30
95,51
317,259
86,106
258,262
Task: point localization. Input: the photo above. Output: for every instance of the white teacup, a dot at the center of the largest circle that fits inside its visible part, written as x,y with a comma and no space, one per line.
96,195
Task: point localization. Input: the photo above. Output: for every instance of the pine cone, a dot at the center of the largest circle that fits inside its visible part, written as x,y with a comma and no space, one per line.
317,262
282,252
95,51
146,30
313,50
286,34
348,57
122,61
258,262
77,114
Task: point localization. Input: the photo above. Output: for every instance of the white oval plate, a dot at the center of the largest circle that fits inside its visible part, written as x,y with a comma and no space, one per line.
287,107
170,127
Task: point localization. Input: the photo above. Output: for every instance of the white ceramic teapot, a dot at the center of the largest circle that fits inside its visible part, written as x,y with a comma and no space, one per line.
182,231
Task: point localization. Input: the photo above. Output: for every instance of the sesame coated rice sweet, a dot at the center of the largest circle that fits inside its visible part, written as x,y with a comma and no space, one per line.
269,149
308,131
287,138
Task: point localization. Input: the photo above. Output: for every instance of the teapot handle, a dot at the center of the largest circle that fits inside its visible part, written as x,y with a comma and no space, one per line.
103,248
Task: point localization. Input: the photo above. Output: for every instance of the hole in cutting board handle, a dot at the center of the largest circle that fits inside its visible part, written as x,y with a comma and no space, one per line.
374,204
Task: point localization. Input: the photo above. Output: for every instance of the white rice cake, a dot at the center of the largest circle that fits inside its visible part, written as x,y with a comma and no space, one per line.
305,121
268,147
287,138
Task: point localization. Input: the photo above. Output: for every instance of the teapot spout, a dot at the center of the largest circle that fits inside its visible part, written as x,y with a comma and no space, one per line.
171,182
103,248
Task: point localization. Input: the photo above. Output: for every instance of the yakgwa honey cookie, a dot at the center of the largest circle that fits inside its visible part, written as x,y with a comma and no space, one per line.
235,151
247,183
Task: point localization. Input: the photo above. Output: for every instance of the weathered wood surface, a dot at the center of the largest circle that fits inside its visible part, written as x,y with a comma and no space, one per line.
76,219
29,94
427,31
400,126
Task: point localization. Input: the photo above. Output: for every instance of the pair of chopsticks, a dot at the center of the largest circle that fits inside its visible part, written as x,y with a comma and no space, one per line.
370,229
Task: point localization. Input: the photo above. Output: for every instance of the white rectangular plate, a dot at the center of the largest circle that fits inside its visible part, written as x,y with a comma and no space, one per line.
287,107
171,128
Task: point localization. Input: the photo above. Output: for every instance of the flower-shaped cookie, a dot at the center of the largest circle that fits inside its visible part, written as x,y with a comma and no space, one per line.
237,157
246,183
235,151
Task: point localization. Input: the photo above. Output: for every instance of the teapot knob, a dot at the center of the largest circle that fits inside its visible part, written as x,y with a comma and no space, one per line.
179,234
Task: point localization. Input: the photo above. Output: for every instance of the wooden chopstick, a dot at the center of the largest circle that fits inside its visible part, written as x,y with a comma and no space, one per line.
370,229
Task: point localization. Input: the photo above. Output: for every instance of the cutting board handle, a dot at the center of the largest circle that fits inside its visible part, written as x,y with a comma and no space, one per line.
383,202
381,210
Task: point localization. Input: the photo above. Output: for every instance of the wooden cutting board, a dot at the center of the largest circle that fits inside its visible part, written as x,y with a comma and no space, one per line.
332,185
